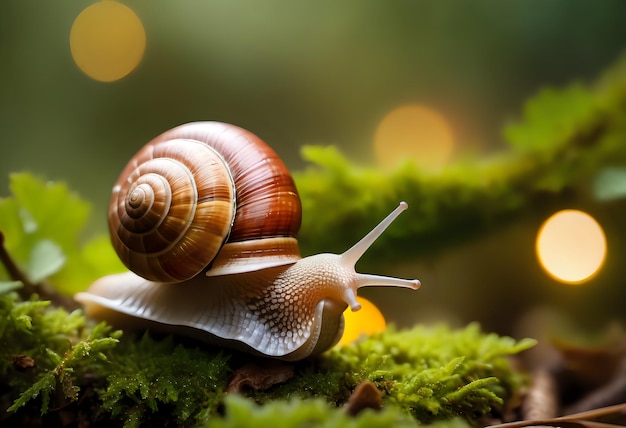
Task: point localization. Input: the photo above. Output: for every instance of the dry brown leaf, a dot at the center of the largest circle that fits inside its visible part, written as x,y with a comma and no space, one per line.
260,375
22,362
364,396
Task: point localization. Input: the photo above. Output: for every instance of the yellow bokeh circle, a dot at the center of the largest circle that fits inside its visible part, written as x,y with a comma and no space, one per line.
571,246
107,41
364,322
414,132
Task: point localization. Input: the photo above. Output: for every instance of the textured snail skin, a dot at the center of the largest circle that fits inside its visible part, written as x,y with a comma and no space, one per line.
278,312
257,294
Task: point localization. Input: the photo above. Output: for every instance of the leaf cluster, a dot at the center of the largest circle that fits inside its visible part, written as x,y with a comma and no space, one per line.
41,223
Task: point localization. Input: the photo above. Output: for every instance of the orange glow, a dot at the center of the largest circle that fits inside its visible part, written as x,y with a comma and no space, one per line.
414,132
107,41
364,322
571,246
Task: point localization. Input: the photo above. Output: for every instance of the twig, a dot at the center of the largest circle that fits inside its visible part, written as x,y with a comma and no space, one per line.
582,419
541,401
14,272
28,287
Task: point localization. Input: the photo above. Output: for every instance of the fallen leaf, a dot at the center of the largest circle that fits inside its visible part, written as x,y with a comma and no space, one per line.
260,376
364,396
22,362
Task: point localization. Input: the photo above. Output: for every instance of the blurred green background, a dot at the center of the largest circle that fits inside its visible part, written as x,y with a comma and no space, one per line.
301,73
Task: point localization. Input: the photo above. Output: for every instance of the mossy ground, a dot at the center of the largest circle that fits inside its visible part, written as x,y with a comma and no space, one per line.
93,375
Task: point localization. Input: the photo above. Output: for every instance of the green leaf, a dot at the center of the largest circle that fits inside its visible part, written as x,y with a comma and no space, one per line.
42,223
8,286
551,118
46,259
13,231
94,260
610,184
49,208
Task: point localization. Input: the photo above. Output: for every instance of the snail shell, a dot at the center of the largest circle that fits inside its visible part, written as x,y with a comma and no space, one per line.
211,197
195,188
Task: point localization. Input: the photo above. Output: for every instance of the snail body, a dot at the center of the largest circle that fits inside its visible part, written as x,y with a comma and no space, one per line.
215,257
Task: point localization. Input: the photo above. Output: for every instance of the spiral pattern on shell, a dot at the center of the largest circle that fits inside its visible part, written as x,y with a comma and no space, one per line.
195,188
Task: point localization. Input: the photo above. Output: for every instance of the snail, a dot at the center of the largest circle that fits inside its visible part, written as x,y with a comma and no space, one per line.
205,217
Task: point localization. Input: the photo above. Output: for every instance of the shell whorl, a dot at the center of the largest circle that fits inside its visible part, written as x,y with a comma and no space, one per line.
204,193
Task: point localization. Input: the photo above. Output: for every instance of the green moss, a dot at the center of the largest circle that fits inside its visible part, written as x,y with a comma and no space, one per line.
429,372
147,376
426,374
46,351
241,412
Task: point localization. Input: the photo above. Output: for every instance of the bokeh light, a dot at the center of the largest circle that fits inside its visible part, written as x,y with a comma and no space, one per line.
415,132
364,322
107,41
571,246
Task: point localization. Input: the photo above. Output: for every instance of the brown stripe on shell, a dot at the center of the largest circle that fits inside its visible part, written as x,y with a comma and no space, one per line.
267,202
176,231
255,254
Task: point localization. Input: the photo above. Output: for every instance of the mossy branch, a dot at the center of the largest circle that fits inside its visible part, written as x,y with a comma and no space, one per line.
559,146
